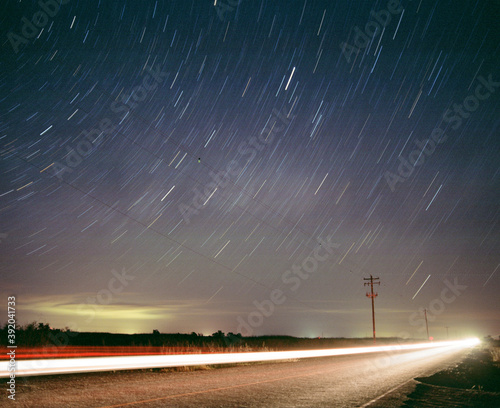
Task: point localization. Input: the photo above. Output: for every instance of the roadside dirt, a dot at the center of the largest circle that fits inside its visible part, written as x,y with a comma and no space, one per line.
475,382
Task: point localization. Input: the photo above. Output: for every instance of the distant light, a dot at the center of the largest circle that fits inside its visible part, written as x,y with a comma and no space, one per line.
474,341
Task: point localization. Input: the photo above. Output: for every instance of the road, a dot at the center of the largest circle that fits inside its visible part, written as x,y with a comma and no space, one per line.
373,380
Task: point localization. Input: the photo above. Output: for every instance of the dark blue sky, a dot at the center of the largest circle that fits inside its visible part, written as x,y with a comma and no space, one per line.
173,165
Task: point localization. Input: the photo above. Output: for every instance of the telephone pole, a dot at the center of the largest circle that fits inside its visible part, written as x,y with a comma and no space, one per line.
372,295
426,325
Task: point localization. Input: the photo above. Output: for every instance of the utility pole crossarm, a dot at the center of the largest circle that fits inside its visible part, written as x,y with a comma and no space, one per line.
372,295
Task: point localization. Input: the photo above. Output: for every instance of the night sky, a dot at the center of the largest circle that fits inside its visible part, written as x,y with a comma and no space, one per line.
243,165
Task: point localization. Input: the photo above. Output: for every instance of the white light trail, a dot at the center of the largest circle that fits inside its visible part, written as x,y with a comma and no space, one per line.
434,197
321,183
167,193
46,130
415,295
491,275
419,265
288,84
205,203
94,364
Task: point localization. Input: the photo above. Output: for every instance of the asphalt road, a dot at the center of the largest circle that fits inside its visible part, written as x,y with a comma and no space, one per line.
372,380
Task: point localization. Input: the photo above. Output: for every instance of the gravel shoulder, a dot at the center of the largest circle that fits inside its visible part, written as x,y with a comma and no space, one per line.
474,382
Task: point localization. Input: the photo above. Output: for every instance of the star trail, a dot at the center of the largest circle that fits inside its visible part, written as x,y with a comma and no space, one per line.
242,165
